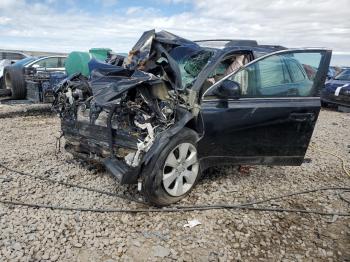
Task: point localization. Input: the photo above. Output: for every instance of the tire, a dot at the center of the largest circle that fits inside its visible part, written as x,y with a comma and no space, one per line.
2,83
154,188
14,80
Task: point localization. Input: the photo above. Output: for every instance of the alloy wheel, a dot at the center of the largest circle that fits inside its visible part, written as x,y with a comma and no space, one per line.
180,169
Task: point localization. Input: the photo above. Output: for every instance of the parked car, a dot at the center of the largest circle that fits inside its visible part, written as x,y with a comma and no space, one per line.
7,58
176,107
332,72
337,90
15,75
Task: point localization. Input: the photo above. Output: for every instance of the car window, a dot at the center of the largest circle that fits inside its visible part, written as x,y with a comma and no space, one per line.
296,70
26,61
344,75
51,62
62,62
272,72
191,61
283,75
13,56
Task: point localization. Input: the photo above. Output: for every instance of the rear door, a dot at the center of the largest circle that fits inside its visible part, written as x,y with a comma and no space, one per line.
272,120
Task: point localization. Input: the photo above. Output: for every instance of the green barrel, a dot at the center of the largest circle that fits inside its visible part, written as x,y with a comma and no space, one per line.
77,61
100,53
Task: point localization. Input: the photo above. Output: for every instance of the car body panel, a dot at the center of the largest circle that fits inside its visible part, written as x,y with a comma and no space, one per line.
97,115
252,130
337,91
260,130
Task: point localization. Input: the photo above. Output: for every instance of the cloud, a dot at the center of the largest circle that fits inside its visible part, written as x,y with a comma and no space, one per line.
40,26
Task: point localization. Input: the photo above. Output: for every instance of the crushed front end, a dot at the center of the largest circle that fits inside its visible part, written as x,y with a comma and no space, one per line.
122,115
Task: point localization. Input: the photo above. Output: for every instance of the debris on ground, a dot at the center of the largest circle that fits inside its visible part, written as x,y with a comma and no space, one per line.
192,223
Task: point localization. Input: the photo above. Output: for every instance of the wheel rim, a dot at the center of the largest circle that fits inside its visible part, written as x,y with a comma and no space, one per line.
180,169
8,83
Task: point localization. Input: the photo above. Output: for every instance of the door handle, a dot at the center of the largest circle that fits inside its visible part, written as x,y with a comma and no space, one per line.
302,117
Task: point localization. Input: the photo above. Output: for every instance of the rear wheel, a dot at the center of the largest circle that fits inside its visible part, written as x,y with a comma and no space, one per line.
2,83
14,80
175,171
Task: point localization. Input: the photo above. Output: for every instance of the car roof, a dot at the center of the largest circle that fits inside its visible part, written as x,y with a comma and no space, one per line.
238,44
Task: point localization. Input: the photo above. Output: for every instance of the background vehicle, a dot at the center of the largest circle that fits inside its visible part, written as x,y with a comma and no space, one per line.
176,107
337,90
7,58
15,75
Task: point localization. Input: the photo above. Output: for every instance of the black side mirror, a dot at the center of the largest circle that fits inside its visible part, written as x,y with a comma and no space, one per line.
229,89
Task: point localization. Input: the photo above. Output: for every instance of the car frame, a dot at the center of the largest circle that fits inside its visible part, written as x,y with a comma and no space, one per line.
215,126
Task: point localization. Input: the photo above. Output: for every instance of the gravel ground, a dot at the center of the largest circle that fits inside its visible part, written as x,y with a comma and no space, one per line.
27,143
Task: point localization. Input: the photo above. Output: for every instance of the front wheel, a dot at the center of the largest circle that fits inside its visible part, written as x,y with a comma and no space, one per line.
175,171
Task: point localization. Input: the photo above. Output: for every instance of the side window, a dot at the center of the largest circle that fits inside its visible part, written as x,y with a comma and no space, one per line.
14,56
225,68
272,72
282,75
62,62
11,56
51,62
296,70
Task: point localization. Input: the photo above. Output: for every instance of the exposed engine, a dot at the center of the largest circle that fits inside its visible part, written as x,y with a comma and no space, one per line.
129,107
138,116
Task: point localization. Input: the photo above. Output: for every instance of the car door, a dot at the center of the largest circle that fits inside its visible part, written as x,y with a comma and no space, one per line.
272,118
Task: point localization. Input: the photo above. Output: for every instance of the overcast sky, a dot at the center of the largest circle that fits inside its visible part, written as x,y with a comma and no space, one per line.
63,25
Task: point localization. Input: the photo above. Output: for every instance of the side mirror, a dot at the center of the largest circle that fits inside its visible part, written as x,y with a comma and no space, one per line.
229,89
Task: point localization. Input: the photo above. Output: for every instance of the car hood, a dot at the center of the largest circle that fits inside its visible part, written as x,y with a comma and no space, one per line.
108,84
142,65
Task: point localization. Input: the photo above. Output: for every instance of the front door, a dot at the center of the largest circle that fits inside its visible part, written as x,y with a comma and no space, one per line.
273,118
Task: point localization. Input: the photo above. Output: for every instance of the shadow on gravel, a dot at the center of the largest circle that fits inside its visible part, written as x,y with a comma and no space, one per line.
25,109
215,173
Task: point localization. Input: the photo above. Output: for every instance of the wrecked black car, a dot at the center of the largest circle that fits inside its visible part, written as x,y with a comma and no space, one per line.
176,107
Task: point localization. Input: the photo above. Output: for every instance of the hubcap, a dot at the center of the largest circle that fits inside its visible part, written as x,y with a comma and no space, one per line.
180,169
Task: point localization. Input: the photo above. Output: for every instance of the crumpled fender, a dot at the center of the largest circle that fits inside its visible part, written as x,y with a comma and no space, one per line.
162,140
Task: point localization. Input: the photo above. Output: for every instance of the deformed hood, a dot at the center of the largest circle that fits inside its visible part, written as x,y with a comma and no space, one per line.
147,62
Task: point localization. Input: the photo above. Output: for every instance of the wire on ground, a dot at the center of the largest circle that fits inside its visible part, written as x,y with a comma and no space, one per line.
246,206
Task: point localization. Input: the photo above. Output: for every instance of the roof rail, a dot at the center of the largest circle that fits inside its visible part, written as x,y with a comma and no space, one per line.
279,47
232,42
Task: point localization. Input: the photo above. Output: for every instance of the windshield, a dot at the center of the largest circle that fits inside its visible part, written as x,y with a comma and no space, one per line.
25,61
191,61
344,75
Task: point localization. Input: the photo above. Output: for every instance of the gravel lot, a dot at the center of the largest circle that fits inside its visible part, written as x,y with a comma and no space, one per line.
27,143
